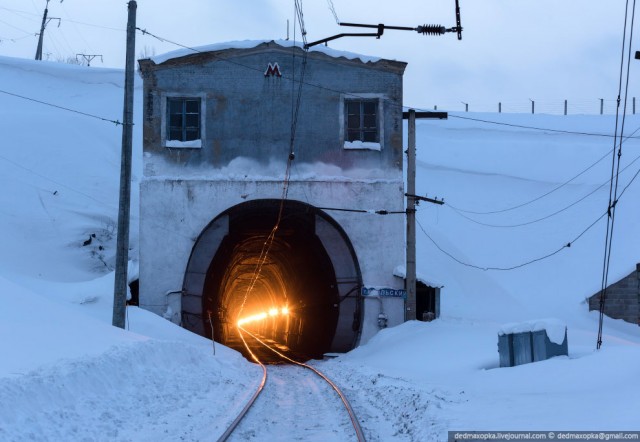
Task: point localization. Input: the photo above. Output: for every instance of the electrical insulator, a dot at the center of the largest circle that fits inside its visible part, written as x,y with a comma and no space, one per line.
431,29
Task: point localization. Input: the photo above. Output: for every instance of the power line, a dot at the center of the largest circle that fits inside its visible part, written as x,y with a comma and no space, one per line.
514,267
13,40
332,8
545,194
266,247
319,86
116,122
93,25
522,126
76,28
17,12
613,189
18,29
79,192
491,212
544,217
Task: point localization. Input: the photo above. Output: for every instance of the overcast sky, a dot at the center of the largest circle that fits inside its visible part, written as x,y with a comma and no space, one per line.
511,51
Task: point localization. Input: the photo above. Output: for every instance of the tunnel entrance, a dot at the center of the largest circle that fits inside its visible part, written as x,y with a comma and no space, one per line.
303,295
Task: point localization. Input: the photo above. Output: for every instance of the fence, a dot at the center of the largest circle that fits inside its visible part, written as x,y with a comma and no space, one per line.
554,107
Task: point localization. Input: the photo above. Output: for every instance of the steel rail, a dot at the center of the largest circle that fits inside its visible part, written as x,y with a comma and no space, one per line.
352,415
246,408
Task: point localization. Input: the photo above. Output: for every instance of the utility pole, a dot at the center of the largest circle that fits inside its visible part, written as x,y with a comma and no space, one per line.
44,24
45,21
122,246
410,303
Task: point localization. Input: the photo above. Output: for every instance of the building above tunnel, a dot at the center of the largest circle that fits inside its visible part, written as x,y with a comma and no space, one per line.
261,145
214,104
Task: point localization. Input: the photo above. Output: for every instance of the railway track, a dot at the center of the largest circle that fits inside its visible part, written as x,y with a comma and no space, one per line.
282,379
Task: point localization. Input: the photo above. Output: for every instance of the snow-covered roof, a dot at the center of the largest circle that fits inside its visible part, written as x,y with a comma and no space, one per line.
249,44
401,272
555,328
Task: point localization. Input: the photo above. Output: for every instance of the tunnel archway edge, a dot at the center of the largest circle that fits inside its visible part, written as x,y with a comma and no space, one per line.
333,238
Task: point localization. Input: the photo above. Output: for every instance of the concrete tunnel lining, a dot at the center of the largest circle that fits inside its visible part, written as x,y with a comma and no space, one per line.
215,280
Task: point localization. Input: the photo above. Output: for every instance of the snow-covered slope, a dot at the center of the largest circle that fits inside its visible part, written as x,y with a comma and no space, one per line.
60,169
66,374
480,167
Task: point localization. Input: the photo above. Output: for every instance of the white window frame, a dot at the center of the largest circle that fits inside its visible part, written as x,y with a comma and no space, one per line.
360,145
175,144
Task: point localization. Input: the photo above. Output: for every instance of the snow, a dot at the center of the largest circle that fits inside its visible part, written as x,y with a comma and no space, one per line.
362,145
67,374
249,169
554,327
183,144
248,44
425,278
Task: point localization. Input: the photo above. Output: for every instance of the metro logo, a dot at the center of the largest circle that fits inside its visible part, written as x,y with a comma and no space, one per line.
273,70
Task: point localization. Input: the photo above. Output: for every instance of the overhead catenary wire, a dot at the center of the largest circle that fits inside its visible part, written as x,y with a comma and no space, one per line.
486,121
266,247
540,258
332,8
615,166
536,128
375,212
392,104
419,108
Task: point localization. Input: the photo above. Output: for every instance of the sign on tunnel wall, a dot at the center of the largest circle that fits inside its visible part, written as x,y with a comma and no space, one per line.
392,293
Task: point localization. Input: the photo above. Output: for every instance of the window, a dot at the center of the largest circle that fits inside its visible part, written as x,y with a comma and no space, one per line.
183,118
361,120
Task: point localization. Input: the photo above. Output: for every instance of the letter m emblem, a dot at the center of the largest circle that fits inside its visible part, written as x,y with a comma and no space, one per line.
273,70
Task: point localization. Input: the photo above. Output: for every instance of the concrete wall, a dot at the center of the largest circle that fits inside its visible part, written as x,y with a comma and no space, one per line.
248,115
623,299
173,213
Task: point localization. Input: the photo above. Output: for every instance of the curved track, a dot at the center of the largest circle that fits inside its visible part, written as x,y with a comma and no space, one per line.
285,379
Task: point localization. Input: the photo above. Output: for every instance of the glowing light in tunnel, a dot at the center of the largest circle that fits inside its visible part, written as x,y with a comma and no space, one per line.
252,318
273,312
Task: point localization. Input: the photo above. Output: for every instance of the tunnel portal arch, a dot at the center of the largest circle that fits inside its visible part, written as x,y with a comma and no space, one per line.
311,268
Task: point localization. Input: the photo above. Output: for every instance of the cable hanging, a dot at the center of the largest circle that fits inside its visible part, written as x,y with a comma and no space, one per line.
376,212
557,212
266,247
543,129
116,122
392,104
615,167
514,267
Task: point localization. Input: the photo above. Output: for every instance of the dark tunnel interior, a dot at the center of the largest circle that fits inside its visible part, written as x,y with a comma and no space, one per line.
284,290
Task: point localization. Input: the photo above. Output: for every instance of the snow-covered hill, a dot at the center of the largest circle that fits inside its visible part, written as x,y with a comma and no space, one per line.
66,374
